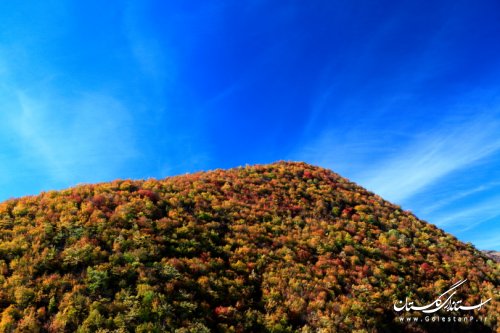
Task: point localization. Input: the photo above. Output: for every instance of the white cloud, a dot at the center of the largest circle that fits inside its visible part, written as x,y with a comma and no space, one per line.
489,243
433,156
334,149
453,197
148,51
84,138
471,216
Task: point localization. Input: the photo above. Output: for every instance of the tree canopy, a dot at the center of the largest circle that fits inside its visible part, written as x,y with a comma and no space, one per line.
286,247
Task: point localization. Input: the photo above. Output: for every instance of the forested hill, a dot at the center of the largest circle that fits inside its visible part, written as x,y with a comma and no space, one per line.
286,247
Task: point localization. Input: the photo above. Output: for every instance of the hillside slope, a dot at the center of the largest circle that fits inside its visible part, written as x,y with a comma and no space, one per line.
278,248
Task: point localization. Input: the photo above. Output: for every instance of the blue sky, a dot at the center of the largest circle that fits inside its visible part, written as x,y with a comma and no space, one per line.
402,97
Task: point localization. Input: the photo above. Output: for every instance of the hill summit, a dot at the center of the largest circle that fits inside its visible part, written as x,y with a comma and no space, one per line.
286,247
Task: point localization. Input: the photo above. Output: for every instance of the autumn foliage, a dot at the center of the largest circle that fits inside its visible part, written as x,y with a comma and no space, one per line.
286,247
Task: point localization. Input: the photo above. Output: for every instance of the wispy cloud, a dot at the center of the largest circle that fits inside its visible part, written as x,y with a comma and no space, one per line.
468,218
343,152
492,241
454,197
432,156
147,50
84,138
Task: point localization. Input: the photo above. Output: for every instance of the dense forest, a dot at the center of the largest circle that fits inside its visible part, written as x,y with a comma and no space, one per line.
286,247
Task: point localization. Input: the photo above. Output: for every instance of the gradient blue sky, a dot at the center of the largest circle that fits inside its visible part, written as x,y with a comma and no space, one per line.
402,97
